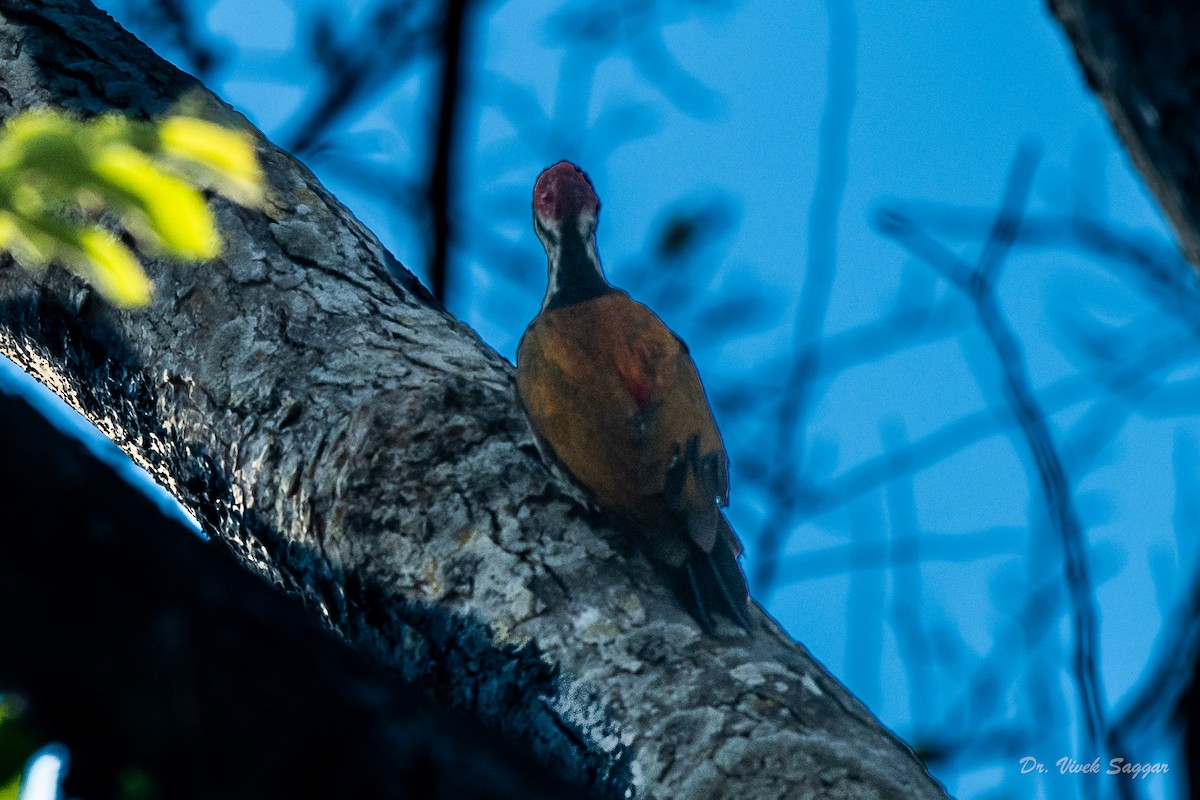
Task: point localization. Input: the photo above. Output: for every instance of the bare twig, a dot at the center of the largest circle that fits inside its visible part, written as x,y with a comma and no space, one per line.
910,548
394,36
1177,647
897,551
955,436
1157,269
977,282
173,20
828,191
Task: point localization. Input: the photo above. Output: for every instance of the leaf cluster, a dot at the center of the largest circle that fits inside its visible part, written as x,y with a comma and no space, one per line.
66,183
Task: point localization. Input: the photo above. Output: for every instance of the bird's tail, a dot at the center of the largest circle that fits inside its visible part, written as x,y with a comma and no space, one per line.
712,582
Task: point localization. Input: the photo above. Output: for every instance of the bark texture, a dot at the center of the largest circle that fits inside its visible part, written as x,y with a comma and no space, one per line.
1142,59
364,450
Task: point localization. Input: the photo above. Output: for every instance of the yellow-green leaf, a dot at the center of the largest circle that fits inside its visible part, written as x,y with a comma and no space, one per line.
8,230
12,789
112,268
17,745
59,175
175,211
42,138
227,156
33,246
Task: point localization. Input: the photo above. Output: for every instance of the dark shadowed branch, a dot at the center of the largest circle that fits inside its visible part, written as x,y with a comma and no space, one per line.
149,651
453,50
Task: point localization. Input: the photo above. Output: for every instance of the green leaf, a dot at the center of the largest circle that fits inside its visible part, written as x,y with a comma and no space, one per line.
60,176
175,211
17,744
112,268
32,246
12,789
225,158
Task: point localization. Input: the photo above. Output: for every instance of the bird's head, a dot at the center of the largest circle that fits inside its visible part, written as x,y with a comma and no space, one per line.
564,201
565,209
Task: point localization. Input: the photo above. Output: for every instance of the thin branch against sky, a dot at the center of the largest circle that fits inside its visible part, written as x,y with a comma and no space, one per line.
820,266
977,282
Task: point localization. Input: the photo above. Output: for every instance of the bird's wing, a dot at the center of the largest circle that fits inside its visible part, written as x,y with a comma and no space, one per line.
681,440
681,455
578,404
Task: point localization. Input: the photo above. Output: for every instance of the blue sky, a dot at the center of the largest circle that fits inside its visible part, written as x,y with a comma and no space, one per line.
945,93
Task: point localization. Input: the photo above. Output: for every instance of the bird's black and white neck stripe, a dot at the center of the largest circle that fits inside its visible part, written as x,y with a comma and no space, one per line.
574,263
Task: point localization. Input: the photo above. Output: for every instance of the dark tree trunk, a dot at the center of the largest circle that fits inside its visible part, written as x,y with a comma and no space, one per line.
1142,59
157,659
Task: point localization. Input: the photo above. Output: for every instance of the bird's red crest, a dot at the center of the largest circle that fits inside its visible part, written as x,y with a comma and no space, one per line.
564,191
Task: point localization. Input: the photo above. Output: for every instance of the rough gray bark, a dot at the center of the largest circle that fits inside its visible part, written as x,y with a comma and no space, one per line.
364,449
1141,59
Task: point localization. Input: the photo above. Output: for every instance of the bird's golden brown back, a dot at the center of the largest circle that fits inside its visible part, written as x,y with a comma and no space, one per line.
616,397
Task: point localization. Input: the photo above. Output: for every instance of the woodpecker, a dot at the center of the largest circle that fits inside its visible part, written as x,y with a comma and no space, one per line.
614,397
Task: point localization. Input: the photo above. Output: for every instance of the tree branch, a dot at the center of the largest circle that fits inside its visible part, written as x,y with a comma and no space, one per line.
442,176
